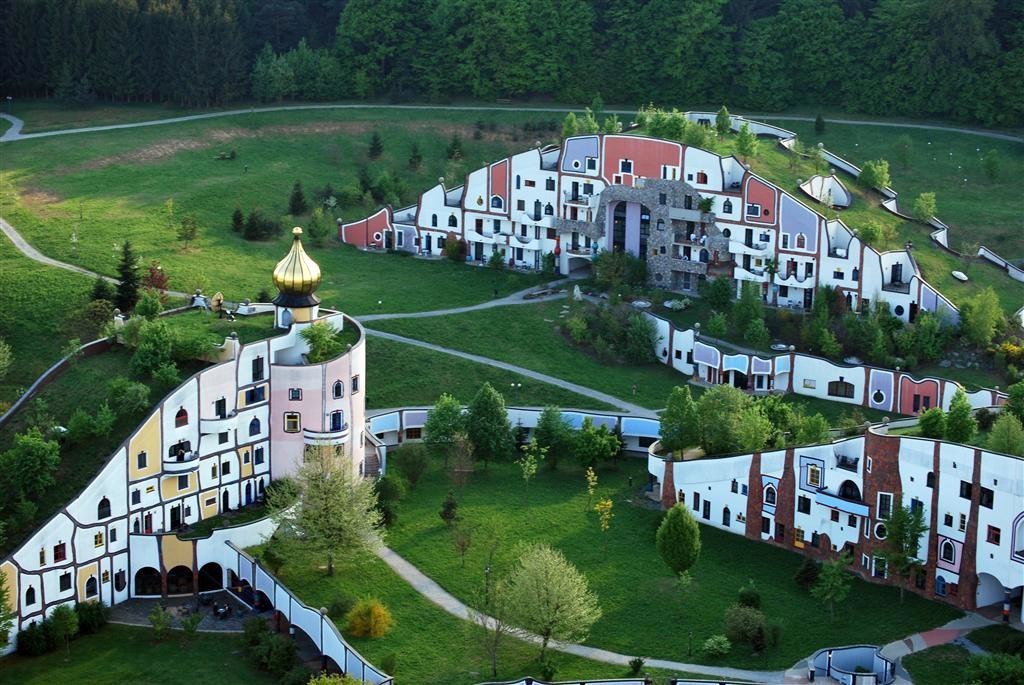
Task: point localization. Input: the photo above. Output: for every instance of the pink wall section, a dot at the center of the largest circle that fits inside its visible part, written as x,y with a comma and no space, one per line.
762,194
648,155
926,388
361,233
499,184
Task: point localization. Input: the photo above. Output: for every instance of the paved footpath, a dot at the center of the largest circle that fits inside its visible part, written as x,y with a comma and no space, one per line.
14,132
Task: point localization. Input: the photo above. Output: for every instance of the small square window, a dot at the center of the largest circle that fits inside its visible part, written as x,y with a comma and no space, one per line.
258,455
183,482
97,540
993,535
222,438
42,556
65,582
947,520
591,165
213,471
963,522
136,497
245,457
141,460
626,166
852,521
986,498
835,516
225,468
59,552
803,505
355,383
965,489
292,420
294,394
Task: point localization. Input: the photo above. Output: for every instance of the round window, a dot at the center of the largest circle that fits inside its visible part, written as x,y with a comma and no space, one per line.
575,164
377,237
878,397
726,232
899,310
880,531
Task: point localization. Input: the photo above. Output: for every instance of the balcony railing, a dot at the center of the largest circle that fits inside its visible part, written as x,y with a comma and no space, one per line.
182,464
582,199
524,239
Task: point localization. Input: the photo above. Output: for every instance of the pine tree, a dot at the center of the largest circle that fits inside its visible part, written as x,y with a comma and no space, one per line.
297,202
819,123
415,157
455,147
237,220
723,121
376,146
128,287
570,126
102,290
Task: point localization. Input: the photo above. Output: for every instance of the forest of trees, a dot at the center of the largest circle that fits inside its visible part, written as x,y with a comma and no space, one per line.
956,59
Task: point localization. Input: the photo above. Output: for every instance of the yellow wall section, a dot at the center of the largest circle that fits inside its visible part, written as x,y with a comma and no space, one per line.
169,487
208,511
177,552
245,470
146,439
83,575
302,314
11,583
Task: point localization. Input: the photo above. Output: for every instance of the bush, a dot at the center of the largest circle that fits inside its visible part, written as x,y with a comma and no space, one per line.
390,491
1012,643
103,422
744,624
79,426
807,574
548,670
716,646
91,616
389,664
985,418
369,618
297,675
127,397
253,630
160,619
932,423
412,463
260,227
34,641
749,597
995,669
276,654
636,664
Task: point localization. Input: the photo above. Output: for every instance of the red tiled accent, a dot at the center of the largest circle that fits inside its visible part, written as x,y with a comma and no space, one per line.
785,502
884,451
968,566
755,495
668,487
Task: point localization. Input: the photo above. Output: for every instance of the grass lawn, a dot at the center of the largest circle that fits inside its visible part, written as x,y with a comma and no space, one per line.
940,665
237,517
982,210
400,375
432,645
249,328
110,185
644,611
991,637
126,654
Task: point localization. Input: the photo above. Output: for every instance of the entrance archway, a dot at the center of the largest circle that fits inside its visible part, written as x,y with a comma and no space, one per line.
179,581
147,582
990,591
211,577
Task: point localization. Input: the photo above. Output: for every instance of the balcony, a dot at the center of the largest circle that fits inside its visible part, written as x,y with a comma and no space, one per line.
752,274
793,279
182,464
896,287
327,437
218,424
523,239
695,238
847,463
581,251
747,247
578,199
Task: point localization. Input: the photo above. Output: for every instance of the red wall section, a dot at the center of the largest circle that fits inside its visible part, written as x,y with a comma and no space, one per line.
499,184
647,154
926,388
763,194
361,233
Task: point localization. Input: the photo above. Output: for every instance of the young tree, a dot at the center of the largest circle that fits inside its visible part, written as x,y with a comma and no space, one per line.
961,425
128,274
1007,435
980,317
415,157
604,516
904,147
594,444
832,584
723,121
487,425
462,538
65,624
749,307
237,220
554,434
591,477
819,123
376,146
327,507
493,618
717,325
753,429
720,409
169,213
449,509
875,174
570,126
528,463
924,206
678,539
102,290
188,229
297,202
746,142
7,615
463,463
717,293
444,420
455,148
1015,400
756,334
904,527
680,423
550,598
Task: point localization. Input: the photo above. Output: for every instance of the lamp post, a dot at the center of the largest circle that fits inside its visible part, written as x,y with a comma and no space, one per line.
9,101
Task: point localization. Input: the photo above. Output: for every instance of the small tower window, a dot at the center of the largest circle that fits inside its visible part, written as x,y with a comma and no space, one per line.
181,418
103,509
433,220
254,427
30,596
338,390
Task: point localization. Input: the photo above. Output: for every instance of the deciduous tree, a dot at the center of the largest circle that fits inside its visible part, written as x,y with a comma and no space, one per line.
833,584
961,425
1007,435
487,425
680,422
903,529
444,420
678,539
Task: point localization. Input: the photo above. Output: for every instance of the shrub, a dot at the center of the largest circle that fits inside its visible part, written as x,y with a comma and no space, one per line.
807,574
716,646
297,675
773,633
995,669
91,616
548,670
369,618
191,624
103,422
742,624
412,463
79,426
160,619
260,227
389,664
635,664
276,654
1012,643
390,491
33,641
749,596
127,397
985,418
253,630
932,423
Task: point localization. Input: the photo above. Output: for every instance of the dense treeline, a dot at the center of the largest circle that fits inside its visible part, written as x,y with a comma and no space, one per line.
959,59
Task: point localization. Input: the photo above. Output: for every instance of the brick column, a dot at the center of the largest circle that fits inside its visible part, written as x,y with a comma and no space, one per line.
785,501
884,451
968,586
755,495
933,524
668,487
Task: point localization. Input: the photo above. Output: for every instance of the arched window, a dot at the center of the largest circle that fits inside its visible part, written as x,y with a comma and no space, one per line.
433,220
727,207
338,390
497,202
548,209
103,509
30,596
337,420
518,181
452,221
769,495
940,586
120,581
726,516
702,177
855,275
91,587
801,241
136,527
929,480
947,552
181,418
254,427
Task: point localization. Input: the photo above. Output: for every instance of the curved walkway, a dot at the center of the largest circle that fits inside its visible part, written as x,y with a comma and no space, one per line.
442,598
14,133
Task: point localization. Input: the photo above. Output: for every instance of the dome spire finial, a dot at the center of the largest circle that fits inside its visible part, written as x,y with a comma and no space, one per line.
297,276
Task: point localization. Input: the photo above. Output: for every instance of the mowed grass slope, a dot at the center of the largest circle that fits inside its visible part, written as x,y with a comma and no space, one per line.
644,611
113,185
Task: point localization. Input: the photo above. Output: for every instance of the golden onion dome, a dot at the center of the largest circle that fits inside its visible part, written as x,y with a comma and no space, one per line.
297,274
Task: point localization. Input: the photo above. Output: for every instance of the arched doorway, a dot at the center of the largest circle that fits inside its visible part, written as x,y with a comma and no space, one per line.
263,602
990,591
849,490
726,517
211,577
225,502
179,581
248,493
147,582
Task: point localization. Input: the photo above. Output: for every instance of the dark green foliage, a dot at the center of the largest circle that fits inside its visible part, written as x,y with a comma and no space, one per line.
616,333
487,425
253,630
960,423
594,444
260,227
390,490
389,664
415,157
237,220
717,293
102,290
36,639
340,606
678,539
455,147
449,509
412,463
614,270
128,275
807,574
92,616
376,146
819,123
749,597
554,433
297,201
932,423
995,669
745,624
